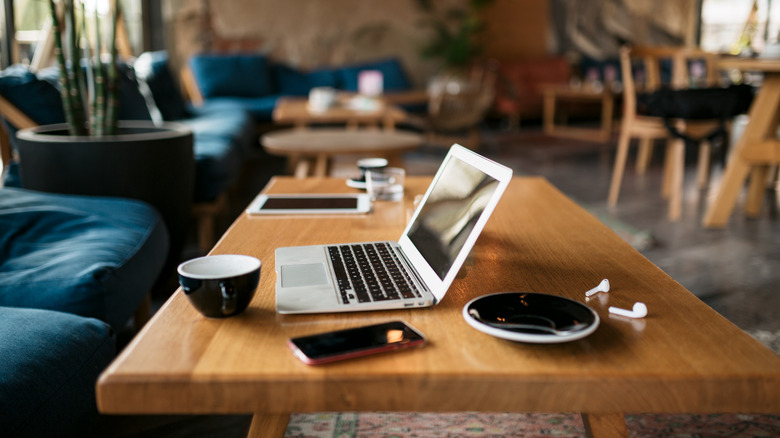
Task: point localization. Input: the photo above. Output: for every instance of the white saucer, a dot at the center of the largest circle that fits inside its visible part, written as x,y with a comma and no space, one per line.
356,184
531,309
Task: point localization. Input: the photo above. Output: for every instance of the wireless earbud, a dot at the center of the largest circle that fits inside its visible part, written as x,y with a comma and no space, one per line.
602,287
639,311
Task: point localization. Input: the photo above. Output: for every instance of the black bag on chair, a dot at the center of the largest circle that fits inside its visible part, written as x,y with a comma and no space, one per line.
715,103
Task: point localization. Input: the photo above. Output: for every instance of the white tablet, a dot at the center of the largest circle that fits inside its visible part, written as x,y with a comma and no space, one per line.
310,204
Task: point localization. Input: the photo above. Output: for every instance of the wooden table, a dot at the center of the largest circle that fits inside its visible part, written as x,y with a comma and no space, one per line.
295,111
302,146
683,357
553,93
756,151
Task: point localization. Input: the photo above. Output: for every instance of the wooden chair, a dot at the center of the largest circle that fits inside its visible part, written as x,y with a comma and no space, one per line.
19,120
647,129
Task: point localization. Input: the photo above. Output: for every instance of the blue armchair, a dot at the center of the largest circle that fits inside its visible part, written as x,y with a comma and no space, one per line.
73,270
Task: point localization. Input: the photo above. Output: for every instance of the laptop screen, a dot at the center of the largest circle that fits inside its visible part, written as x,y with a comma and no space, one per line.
449,214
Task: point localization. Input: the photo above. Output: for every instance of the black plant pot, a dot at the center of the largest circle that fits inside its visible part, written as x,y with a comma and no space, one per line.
148,162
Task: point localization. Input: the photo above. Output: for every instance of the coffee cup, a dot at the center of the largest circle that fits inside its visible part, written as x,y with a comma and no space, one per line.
220,285
321,98
367,164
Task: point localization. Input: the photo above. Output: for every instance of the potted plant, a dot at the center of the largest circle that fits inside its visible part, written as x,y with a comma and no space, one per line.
94,153
462,92
456,33
455,43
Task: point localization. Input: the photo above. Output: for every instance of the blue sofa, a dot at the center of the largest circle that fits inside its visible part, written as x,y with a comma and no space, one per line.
255,82
73,270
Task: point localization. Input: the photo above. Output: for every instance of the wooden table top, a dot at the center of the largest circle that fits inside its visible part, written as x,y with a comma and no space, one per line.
684,357
583,91
334,141
746,64
296,111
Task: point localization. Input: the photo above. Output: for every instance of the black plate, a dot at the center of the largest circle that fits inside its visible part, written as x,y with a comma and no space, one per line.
531,317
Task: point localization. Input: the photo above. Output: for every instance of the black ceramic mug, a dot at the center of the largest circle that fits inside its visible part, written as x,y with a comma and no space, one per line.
367,164
220,285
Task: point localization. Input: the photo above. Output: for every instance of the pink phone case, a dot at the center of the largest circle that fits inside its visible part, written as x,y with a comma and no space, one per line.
374,349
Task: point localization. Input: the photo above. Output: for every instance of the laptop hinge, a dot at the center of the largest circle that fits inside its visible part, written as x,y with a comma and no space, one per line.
414,272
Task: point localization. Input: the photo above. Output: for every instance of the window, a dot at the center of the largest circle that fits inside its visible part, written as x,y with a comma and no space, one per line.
736,26
31,17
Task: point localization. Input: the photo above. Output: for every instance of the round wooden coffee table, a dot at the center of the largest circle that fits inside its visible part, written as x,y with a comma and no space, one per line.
303,146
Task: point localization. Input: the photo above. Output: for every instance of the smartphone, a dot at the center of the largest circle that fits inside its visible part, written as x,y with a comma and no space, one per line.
356,342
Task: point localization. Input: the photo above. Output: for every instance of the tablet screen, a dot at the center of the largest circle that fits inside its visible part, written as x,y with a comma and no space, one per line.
318,203
310,204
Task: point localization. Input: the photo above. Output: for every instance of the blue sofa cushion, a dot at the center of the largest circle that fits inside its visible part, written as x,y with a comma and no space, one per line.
12,176
293,82
246,75
38,98
260,108
49,363
393,75
90,256
132,105
221,118
152,69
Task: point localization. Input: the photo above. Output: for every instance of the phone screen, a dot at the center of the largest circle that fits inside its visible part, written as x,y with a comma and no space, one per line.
356,342
302,203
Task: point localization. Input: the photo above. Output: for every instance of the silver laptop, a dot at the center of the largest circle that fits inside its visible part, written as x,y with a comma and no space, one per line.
417,270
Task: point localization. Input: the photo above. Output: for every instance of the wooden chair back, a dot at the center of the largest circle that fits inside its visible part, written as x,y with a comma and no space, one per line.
650,61
649,77
19,120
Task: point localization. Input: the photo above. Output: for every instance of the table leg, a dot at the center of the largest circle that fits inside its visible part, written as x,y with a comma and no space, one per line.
607,103
719,211
756,190
643,155
677,170
267,425
764,115
667,173
302,168
605,425
321,166
619,167
549,113
703,167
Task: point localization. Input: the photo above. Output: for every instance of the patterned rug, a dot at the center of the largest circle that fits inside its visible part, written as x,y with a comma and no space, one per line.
506,425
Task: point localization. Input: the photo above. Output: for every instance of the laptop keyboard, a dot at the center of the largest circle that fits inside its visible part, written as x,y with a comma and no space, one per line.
370,272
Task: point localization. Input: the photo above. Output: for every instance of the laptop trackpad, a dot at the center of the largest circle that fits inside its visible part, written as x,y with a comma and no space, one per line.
312,274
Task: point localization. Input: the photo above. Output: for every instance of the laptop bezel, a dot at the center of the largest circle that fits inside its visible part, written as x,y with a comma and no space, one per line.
437,285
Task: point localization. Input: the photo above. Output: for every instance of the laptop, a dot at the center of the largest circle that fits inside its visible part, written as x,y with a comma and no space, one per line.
415,271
